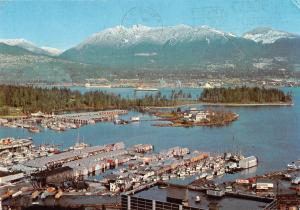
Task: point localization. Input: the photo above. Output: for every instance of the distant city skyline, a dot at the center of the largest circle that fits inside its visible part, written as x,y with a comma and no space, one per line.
64,24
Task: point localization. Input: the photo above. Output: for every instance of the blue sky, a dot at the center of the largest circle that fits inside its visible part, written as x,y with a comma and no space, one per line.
63,24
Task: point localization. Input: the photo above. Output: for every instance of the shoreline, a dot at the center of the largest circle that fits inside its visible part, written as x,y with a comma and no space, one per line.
246,104
174,122
224,104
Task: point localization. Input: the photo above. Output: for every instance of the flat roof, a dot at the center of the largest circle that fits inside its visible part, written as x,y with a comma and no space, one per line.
54,171
43,161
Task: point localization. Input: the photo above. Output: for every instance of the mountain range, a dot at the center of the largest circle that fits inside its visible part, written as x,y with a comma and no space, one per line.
142,48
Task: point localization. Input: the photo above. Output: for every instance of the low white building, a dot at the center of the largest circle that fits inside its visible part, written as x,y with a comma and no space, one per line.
201,116
263,186
248,162
187,116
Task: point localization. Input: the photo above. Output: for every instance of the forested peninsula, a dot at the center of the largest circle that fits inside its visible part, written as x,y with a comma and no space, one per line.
28,99
245,95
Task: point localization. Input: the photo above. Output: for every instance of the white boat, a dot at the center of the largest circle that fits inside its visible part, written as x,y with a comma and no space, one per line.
292,166
197,199
145,89
117,121
135,119
79,146
90,85
16,194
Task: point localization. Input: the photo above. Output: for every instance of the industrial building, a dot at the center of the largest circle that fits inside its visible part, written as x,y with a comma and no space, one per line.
64,157
53,177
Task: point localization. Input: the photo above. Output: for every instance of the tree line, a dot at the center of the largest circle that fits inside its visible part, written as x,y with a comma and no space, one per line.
32,99
245,95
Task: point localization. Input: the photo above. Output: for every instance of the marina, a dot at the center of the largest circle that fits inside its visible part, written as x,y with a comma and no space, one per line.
61,122
150,105
104,170
122,170
267,136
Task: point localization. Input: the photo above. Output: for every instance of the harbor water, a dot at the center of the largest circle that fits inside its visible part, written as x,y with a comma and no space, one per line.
270,133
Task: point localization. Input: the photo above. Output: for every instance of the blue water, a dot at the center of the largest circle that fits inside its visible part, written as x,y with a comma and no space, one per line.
270,133
130,93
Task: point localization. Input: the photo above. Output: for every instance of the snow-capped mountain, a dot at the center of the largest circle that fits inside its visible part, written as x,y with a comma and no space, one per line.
159,47
121,36
142,48
268,35
184,47
27,45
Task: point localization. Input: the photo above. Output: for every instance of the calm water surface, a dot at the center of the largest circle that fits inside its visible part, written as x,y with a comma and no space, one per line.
270,133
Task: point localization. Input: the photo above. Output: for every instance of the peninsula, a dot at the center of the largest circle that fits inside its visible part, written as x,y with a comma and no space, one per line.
245,96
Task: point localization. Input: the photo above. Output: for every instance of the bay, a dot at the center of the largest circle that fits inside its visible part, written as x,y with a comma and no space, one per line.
270,133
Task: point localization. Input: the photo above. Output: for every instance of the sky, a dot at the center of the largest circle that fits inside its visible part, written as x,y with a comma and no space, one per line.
65,23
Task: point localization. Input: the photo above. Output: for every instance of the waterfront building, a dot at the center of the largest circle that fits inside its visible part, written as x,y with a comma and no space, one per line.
12,145
200,116
248,162
55,177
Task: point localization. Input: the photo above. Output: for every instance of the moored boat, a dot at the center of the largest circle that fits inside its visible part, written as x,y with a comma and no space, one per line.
145,89
134,119
34,129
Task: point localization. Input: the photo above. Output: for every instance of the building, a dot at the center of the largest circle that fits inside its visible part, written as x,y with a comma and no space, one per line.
195,157
248,162
6,177
136,203
263,186
284,201
200,116
215,192
54,177
177,195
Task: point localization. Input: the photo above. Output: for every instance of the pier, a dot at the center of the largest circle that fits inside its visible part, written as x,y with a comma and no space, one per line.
90,117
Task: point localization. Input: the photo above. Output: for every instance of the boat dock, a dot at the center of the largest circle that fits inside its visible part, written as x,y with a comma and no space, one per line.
90,117
12,144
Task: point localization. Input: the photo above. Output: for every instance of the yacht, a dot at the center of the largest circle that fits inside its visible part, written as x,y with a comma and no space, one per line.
135,119
292,166
145,89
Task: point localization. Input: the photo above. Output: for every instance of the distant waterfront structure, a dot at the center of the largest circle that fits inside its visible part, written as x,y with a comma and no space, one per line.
248,162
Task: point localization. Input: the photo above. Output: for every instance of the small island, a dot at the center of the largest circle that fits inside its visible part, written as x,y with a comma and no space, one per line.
194,117
245,96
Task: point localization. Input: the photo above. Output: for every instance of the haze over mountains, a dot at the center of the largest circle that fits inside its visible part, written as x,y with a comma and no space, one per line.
141,48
